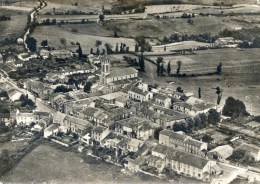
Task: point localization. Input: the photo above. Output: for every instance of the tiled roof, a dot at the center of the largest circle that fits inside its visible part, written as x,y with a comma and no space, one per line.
174,135
139,91
225,151
122,72
182,157
99,129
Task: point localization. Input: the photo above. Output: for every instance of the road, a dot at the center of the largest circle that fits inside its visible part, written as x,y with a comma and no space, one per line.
78,18
41,106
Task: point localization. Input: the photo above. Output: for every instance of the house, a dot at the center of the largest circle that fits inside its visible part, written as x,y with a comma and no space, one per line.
220,153
162,100
111,97
193,106
133,145
183,163
99,133
71,106
60,54
18,63
139,95
53,128
75,124
6,118
40,89
135,128
44,53
43,118
182,142
24,118
165,118
227,42
252,149
14,95
108,76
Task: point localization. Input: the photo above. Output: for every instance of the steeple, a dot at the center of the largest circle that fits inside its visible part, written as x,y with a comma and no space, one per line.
105,69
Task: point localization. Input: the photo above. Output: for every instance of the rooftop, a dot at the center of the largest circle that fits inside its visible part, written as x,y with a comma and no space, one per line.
122,72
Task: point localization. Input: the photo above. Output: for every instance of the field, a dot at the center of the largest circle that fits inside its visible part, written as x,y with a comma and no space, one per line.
240,78
55,33
15,27
49,164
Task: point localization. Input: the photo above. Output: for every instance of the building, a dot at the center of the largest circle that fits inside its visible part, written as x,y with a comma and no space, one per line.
162,100
60,54
139,95
53,128
24,118
193,106
252,149
220,153
108,76
99,133
135,128
182,163
75,124
182,142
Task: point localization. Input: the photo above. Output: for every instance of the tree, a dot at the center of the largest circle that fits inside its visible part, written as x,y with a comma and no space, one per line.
62,89
179,63
213,117
145,46
97,52
116,49
234,108
98,43
136,48
83,21
54,10
165,39
79,51
6,162
199,93
87,87
207,138
219,93
63,41
53,21
219,68
108,48
169,68
101,18
162,69
159,60
115,34
31,44
141,63
91,51
44,43
179,89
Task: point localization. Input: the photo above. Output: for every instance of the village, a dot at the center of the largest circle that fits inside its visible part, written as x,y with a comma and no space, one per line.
124,103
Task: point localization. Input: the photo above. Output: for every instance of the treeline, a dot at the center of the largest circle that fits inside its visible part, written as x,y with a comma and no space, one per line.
126,8
4,18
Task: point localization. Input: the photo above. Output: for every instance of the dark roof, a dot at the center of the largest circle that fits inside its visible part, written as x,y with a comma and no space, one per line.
139,91
99,129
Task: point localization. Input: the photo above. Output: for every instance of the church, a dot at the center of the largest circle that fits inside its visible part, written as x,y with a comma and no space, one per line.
108,76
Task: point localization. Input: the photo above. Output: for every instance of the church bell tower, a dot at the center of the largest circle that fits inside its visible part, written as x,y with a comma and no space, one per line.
105,70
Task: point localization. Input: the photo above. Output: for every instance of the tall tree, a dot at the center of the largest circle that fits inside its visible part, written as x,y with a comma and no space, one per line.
219,93
213,116
159,60
136,48
179,63
234,108
87,87
219,68
116,49
141,63
199,93
44,43
98,43
162,69
79,51
169,68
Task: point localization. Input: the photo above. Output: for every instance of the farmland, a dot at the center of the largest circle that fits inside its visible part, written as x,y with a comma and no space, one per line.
239,78
55,33
14,27
49,164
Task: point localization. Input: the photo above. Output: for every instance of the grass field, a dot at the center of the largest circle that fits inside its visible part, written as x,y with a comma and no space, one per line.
159,28
55,33
49,164
240,78
15,27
